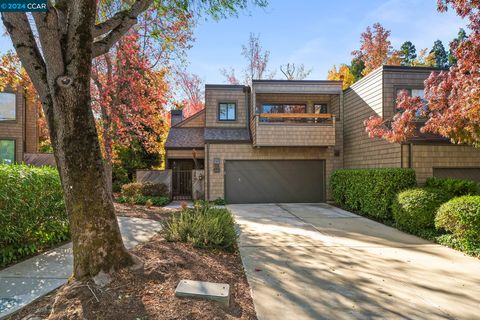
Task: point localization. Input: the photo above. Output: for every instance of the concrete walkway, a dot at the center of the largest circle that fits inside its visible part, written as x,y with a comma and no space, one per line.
27,281
314,261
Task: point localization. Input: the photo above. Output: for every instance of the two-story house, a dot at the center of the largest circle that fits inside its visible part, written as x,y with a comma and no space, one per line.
279,141
276,141
18,127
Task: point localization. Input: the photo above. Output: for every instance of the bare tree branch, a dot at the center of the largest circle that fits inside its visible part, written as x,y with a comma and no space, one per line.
117,26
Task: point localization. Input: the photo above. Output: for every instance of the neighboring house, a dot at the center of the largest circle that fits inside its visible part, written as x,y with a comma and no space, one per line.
279,141
18,127
429,154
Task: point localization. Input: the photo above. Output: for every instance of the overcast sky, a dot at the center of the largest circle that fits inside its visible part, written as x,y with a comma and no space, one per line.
317,33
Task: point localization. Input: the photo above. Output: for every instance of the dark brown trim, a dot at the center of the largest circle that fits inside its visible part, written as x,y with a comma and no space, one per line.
298,81
229,141
412,68
225,86
184,148
218,111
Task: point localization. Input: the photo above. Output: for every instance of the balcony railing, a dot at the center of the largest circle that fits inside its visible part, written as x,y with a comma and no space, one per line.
293,129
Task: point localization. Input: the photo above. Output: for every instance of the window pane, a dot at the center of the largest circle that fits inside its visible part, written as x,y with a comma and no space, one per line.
418,93
295,108
320,108
226,111
231,111
7,106
7,151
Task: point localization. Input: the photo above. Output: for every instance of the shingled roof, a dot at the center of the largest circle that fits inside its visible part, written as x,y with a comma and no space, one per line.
185,138
227,135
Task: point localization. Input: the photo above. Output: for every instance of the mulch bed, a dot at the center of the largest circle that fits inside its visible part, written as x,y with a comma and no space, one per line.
150,293
136,211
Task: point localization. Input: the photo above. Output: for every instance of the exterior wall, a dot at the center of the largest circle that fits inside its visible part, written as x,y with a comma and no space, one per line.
215,181
217,94
362,100
184,154
336,109
425,157
195,121
405,78
31,128
15,129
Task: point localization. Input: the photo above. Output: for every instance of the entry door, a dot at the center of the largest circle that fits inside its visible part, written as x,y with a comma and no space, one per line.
275,181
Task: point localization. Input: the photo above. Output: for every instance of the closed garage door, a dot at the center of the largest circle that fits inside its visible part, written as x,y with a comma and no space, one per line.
274,181
458,173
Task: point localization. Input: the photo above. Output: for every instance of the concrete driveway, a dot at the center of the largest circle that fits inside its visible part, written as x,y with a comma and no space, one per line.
315,261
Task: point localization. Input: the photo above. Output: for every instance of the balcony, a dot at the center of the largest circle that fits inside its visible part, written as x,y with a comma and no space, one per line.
293,129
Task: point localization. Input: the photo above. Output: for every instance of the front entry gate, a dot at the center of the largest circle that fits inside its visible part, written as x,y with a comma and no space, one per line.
182,184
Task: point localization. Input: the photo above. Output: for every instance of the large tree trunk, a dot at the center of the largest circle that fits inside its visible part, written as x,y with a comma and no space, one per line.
61,76
97,243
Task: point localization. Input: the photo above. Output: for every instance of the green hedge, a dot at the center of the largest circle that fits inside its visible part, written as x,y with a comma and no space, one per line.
370,191
32,211
454,187
415,209
461,216
204,226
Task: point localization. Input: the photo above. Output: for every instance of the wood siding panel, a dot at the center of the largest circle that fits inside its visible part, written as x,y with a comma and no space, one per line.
426,157
362,100
195,121
215,96
185,154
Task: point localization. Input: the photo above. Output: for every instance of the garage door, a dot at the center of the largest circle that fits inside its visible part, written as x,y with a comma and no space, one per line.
458,173
274,181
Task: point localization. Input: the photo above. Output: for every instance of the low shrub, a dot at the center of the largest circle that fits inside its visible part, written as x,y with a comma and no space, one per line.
32,211
204,226
415,209
461,216
151,189
370,191
454,187
219,202
133,189
144,200
119,178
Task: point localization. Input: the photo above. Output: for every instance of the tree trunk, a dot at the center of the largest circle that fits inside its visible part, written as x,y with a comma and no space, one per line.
97,243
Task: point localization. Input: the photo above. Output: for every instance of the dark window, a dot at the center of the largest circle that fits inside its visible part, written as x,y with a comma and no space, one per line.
7,151
320,108
227,112
8,109
283,108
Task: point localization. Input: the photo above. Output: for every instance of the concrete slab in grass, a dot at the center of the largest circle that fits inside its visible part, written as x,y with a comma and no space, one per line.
207,290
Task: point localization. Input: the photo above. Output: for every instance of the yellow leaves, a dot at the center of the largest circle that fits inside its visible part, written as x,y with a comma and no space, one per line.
344,74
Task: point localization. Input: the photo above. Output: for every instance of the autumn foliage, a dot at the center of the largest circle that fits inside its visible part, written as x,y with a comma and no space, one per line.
452,98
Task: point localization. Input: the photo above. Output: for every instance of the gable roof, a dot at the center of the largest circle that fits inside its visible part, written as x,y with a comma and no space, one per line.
185,138
187,120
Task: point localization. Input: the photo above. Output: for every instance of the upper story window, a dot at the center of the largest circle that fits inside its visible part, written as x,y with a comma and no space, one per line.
8,108
320,109
414,92
227,111
283,108
7,151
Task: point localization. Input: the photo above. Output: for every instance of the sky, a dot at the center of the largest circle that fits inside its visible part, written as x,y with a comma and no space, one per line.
317,33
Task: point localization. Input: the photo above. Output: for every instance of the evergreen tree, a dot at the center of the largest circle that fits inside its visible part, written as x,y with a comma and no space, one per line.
462,35
441,58
356,68
408,53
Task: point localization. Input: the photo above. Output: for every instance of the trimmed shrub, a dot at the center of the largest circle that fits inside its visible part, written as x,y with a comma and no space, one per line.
144,200
415,209
219,202
370,191
204,226
461,216
133,189
32,211
454,187
119,178
150,189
